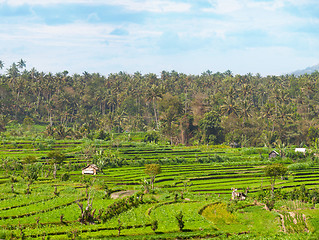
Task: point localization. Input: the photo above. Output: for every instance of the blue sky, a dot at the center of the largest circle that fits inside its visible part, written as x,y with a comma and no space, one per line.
269,37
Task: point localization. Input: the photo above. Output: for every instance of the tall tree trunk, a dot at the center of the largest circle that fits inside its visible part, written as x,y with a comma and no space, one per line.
54,170
155,114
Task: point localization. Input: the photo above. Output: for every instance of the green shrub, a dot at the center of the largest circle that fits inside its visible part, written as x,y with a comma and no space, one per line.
270,204
65,177
179,217
154,225
42,146
30,159
103,135
232,206
151,137
2,235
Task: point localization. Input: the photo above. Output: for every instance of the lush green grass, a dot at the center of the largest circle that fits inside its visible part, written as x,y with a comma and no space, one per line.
165,215
207,170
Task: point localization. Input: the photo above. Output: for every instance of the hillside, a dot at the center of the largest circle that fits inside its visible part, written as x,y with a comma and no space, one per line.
307,70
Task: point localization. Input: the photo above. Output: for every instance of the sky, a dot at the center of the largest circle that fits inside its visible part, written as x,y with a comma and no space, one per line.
269,37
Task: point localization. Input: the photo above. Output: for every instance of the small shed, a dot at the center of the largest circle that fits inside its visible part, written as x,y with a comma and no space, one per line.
302,150
90,169
273,154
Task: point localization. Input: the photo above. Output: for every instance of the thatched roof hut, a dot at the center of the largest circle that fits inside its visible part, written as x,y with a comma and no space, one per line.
273,154
90,169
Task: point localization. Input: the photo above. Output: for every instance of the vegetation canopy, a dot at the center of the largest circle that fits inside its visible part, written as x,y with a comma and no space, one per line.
275,171
152,170
249,110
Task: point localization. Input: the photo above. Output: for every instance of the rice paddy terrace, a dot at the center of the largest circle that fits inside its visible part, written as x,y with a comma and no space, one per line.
203,174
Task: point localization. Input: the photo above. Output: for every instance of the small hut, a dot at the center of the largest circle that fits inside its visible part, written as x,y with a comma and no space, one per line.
90,169
301,150
273,154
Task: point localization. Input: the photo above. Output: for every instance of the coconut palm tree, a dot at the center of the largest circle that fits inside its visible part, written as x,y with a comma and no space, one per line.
229,107
152,94
245,108
13,71
21,64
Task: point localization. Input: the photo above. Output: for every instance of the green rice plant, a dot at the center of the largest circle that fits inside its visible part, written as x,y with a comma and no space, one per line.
294,222
300,166
43,206
251,151
312,219
218,214
289,205
119,206
252,219
165,214
133,216
237,170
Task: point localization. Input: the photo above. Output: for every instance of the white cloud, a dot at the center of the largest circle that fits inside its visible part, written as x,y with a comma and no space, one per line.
249,15
217,43
47,2
230,6
152,5
159,6
223,6
301,2
268,6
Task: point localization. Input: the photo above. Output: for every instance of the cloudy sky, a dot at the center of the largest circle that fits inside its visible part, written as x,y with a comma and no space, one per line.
191,36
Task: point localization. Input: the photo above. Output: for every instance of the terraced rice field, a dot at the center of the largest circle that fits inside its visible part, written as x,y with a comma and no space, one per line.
52,209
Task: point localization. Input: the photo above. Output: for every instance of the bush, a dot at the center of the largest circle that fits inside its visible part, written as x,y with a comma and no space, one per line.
151,137
103,135
118,207
65,177
3,235
231,206
154,225
30,159
270,204
180,221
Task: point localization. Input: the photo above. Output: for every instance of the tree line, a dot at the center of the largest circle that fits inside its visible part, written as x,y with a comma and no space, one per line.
248,110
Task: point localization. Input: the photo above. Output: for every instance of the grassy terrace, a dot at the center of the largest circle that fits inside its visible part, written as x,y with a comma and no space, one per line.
210,172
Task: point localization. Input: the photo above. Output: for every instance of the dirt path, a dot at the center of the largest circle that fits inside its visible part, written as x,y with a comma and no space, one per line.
122,194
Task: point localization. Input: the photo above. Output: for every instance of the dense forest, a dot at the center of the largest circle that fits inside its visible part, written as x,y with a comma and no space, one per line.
214,108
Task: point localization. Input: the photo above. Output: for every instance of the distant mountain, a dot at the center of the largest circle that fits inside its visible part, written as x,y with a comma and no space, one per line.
307,70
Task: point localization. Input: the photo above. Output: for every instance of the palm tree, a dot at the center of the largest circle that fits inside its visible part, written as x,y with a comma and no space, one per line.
121,118
107,121
13,71
245,90
229,107
111,100
245,108
21,64
154,93
1,64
